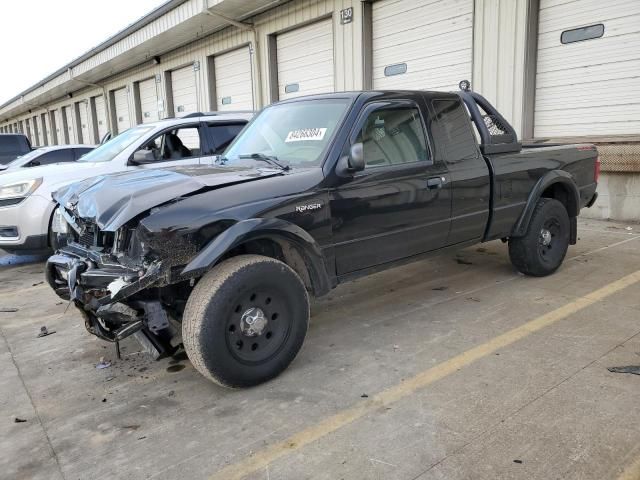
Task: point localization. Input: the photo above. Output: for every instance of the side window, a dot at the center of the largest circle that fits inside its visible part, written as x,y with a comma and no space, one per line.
175,144
455,133
189,139
393,136
55,156
82,151
222,135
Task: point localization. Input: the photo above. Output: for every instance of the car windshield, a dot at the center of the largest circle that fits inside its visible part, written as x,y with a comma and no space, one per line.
294,134
27,157
107,151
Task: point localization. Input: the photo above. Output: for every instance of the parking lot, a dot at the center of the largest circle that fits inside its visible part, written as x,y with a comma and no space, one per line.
450,368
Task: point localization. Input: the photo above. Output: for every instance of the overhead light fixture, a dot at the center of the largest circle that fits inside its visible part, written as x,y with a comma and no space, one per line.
156,60
69,95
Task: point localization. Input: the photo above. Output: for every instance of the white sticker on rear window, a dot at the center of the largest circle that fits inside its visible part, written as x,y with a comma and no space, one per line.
306,134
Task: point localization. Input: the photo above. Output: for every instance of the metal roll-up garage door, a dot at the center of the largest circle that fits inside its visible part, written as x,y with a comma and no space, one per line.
37,131
83,111
101,117
68,118
587,80
421,45
121,104
45,129
233,80
184,91
148,100
27,130
305,60
59,127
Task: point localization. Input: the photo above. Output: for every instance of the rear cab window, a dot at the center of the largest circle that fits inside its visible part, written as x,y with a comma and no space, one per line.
455,138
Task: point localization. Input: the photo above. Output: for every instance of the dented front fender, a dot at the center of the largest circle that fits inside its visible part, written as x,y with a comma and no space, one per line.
268,228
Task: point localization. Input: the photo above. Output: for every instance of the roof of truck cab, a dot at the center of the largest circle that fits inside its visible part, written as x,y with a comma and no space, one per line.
354,95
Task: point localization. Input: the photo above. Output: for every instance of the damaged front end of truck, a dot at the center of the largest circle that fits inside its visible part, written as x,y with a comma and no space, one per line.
120,286
125,279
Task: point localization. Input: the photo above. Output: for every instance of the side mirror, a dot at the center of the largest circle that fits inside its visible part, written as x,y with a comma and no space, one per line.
33,163
356,158
141,157
106,138
352,163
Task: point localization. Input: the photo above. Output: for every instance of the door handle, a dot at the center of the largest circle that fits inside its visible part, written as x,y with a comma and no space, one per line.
435,182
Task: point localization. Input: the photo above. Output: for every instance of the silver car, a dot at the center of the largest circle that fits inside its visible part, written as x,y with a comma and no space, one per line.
27,223
48,156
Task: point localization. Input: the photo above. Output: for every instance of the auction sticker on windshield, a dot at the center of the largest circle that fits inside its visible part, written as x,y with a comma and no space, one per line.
306,134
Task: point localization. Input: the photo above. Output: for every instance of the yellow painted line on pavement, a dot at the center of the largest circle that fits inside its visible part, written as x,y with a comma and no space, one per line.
632,472
262,458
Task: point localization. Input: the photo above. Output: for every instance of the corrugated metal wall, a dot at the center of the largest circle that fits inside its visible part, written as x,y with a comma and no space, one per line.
588,87
421,45
348,58
499,55
500,70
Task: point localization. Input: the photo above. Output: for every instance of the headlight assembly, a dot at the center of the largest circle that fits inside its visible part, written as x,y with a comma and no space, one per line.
19,189
59,223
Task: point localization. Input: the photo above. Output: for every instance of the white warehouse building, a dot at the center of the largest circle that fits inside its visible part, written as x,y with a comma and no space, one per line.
559,70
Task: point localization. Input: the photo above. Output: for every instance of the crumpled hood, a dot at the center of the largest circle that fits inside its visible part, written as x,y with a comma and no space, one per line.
112,200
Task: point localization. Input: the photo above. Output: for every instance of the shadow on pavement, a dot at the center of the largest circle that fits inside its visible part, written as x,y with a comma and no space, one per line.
7,259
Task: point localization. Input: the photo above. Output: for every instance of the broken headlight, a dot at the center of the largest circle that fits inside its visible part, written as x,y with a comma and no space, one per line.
59,223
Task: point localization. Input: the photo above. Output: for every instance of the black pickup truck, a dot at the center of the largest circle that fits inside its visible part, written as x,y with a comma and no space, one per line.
315,191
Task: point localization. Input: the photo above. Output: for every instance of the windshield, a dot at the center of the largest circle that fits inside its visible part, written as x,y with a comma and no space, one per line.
27,157
295,134
107,151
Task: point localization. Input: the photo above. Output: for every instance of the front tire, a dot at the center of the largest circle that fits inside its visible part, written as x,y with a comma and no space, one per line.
543,248
245,321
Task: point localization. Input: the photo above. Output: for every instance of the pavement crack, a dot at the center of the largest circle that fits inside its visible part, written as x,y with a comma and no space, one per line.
52,451
492,427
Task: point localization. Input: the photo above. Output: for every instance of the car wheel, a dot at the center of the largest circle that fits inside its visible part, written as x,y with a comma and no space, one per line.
541,251
245,321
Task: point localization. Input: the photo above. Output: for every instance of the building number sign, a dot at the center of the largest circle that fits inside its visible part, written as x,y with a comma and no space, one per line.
346,15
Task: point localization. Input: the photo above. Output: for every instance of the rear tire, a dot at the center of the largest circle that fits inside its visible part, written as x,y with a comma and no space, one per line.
543,248
245,321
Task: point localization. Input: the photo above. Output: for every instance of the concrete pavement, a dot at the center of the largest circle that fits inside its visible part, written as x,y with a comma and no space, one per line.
540,405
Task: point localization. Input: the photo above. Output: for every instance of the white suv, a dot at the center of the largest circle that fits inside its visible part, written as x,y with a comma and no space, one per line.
26,207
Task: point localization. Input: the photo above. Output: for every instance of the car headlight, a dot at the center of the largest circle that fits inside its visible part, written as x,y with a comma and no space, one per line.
59,223
19,189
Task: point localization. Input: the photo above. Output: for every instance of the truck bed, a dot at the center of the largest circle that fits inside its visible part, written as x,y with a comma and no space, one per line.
515,175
